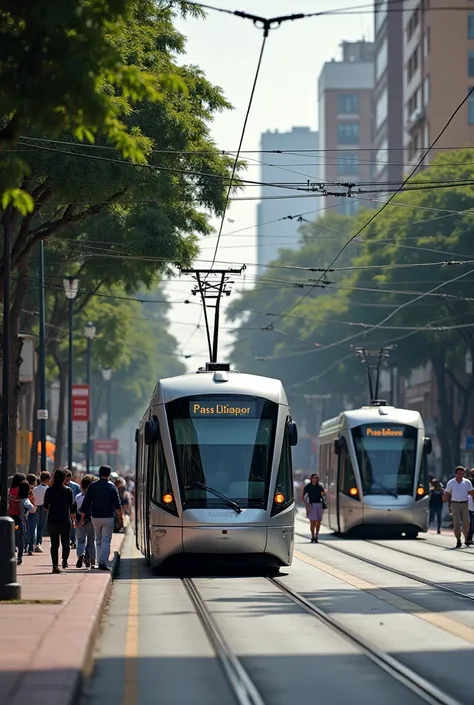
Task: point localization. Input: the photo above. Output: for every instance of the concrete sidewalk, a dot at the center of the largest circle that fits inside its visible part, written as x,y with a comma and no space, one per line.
46,647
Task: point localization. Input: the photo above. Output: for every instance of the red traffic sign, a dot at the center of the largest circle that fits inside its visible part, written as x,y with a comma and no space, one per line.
106,445
80,402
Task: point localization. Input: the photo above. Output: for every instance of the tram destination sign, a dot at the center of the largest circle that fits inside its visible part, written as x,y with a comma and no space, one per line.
221,409
384,432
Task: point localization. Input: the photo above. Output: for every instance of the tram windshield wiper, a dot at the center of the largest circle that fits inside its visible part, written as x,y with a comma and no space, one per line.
384,487
230,503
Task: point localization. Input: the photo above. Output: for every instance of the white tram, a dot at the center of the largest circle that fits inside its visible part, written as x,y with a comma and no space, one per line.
214,472
373,462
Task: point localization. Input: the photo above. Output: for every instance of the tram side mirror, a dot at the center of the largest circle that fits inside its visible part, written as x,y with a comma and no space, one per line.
151,432
136,435
292,433
338,445
428,446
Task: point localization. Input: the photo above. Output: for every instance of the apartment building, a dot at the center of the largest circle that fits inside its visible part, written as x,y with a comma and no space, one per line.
438,57
277,217
345,92
388,92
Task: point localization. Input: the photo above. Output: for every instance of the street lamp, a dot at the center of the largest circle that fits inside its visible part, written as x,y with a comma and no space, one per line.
107,375
71,286
89,332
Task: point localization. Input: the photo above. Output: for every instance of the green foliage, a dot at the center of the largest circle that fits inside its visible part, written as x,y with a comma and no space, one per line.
63,68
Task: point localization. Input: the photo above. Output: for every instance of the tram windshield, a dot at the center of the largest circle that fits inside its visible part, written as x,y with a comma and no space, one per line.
386,458
225,444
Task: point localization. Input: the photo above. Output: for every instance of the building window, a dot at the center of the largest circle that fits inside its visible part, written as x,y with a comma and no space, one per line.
381,158
470,63
381,109
412,66
348,164
470,25
426,42
380,11
470,109
348,103
426,91
348,133
413,22
381,59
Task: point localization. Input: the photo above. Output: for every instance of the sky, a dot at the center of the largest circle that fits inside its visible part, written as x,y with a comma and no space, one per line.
226,48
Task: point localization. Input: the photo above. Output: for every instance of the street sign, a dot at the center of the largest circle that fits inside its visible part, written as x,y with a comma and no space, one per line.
469,442
107,446
80,402
79,432
42,414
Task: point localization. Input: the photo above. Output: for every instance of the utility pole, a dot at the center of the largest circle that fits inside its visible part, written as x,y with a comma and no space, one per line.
71,286
42,412
378,356
7,242
212,285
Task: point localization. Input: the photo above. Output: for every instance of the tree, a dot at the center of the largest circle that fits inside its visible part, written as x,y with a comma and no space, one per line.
154,209
62,69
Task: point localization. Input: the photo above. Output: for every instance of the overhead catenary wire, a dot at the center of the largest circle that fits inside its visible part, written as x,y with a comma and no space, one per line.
387,203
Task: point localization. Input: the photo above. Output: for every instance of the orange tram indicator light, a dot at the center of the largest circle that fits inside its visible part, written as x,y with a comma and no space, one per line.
353,492
167,498
279,498
420,491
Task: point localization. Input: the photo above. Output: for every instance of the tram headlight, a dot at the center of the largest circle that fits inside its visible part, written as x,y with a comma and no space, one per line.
167,498
279,498
353,492
420,491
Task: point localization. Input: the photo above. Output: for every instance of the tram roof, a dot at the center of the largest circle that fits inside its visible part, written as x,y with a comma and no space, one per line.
213,383
372,414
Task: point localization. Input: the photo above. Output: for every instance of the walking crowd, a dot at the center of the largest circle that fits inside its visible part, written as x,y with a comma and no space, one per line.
81,517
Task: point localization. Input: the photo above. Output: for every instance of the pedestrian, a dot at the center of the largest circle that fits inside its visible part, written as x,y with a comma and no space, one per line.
69,482
436,502
26,509
458,490
470,506
102,501
31,517
38,493
85,533
14,505
313,497
61,508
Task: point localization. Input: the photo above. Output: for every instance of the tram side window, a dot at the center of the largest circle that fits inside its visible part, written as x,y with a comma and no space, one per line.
284,481
348,477
161,490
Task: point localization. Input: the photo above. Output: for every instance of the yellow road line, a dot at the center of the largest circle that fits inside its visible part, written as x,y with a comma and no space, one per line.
130,691
437,620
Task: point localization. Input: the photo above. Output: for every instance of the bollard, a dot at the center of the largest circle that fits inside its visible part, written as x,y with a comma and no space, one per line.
9,588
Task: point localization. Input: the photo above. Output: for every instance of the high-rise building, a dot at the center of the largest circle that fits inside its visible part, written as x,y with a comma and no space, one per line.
388,92
345,90
438,73
277,216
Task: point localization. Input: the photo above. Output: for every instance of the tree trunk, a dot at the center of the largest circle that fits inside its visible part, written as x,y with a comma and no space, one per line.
21,290
62,369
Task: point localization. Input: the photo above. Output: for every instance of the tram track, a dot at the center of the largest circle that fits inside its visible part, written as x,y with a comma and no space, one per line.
396,571
245,690
423,558
411,680
239,681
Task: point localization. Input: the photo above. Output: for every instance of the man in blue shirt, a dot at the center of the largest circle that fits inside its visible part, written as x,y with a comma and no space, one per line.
102,501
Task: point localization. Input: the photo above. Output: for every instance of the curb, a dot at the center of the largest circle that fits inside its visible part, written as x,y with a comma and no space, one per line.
86,668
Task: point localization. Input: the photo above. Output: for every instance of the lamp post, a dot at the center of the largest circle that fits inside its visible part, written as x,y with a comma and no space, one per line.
89,332
42,412
6,361
107,375
71,286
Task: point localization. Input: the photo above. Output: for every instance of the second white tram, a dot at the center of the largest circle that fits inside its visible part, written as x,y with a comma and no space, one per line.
373,463
214,474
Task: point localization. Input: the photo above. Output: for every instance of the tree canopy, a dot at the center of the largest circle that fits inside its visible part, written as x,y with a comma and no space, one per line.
407,281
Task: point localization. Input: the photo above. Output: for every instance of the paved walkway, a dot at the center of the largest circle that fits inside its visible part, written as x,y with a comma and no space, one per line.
45,648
